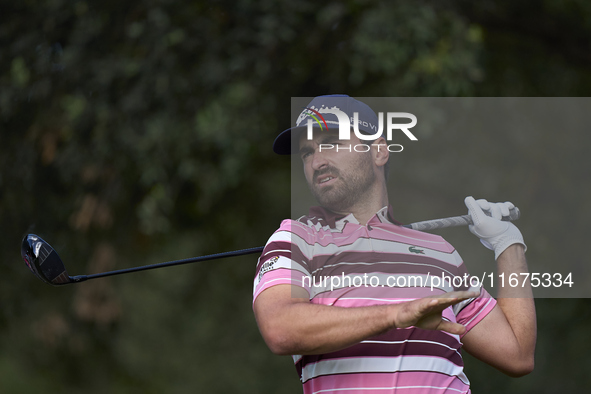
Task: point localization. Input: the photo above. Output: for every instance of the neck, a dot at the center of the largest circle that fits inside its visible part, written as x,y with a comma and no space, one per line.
367,207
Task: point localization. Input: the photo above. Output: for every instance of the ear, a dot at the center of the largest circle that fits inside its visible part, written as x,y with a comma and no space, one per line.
380,151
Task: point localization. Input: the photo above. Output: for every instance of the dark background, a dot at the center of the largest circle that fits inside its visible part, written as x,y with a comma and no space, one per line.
136,132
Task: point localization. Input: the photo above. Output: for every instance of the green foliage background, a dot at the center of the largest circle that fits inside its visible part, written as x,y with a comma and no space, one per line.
138,132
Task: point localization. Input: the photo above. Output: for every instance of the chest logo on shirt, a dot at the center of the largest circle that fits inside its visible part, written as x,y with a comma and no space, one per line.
413,249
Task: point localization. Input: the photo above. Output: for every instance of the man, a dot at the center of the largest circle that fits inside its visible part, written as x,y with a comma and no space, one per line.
351,336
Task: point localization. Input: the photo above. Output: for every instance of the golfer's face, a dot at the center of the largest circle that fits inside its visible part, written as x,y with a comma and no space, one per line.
337,175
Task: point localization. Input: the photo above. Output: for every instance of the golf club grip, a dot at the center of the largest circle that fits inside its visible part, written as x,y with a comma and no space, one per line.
453,221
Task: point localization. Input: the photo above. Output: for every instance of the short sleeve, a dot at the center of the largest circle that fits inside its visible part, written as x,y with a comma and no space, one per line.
475,309
284,259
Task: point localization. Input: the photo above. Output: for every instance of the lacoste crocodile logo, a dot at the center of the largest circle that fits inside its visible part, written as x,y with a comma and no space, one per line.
412,249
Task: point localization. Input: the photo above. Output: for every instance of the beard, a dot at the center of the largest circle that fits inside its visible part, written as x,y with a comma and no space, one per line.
349,188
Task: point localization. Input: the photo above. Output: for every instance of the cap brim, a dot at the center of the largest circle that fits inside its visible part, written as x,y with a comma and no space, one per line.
282,144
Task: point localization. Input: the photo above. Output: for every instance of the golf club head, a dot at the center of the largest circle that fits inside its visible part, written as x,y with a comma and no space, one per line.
43,261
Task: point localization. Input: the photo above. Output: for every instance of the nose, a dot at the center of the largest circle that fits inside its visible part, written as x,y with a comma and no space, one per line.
319,160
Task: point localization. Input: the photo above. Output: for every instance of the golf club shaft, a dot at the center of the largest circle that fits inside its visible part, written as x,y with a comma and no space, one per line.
82,278
422,226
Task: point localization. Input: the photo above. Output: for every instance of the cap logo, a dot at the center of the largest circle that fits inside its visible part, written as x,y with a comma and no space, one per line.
315,115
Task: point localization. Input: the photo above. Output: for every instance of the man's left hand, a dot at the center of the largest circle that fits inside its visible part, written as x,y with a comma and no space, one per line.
494,233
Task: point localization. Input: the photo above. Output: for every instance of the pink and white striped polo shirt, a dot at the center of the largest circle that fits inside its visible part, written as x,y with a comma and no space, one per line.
342,263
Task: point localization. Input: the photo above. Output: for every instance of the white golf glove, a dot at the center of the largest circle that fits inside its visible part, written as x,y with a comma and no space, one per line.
495,234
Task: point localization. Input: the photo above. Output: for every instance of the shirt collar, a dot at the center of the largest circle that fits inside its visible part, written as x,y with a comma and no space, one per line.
334,220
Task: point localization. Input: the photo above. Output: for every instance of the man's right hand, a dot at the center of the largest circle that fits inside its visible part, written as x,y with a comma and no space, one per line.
426,313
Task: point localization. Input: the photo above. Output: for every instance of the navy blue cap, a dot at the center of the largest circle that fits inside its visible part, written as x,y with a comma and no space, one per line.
367,118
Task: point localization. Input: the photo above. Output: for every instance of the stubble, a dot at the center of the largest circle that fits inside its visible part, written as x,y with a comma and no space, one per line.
350,188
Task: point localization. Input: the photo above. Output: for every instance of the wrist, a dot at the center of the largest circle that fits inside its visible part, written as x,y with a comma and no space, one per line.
509,243
392,315
512,252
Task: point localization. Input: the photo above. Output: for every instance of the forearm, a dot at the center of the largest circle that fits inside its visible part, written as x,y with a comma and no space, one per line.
317,329
296,326
290,324
506,337
517,302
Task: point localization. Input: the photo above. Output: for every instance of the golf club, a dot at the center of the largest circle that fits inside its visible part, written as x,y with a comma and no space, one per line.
45,263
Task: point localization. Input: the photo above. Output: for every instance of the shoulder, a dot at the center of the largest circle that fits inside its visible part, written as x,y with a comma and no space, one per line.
296,227
293,232
305,225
